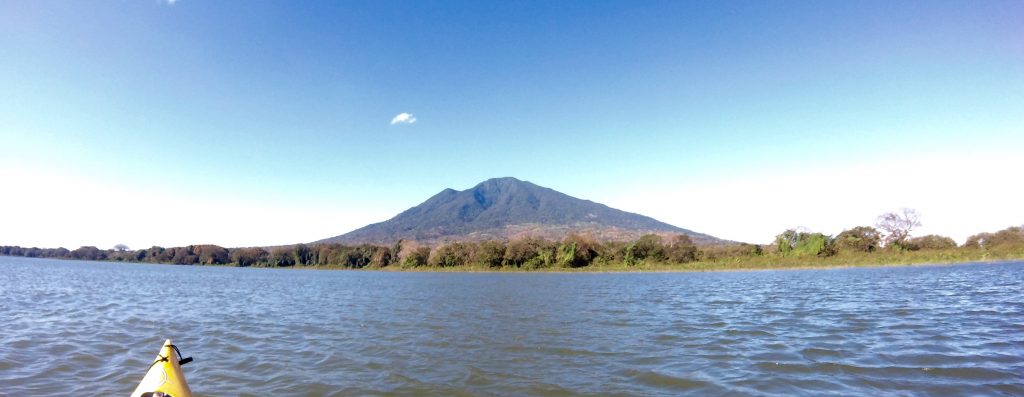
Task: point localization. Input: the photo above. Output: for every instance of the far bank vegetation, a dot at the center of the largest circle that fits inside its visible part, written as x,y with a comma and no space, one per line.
889,241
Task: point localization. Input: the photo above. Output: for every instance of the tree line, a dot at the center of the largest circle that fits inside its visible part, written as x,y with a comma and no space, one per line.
891,233
530,252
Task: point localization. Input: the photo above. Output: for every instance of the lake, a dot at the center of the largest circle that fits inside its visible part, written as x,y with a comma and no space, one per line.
92,328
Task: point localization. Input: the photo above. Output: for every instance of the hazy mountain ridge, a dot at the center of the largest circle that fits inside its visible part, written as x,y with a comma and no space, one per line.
507,208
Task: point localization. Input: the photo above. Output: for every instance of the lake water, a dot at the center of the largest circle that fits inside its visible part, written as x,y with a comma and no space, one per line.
89,328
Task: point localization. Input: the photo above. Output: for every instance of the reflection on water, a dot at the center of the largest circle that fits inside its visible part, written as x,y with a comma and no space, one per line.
91,328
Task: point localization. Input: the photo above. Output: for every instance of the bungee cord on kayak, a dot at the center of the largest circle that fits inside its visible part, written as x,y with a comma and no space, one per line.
164,377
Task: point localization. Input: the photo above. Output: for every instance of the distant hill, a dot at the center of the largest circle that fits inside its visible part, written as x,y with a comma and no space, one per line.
507,208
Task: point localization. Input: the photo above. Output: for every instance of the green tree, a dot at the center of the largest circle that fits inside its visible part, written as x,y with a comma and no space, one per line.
577,251
489,253
156,254
245,257
1009,238
60,252
524,250
794,243
449,255
303,255
858,239
681,249
86,253
930,242
723,251
325,254
647,247
977,241
184,255
396,252
358,257
813,244
212,254
417,257
381,257
281,256
1012,237
786,241
613,252
411,254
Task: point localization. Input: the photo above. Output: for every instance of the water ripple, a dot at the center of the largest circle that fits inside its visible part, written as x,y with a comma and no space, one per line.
91,328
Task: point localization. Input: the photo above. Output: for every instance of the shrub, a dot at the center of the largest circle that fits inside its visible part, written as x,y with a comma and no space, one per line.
416,257
726,251
249,256
282,256
489,253
647,247
858,239
453,254
1009,238
577,251
528,250
930,242
793,243
681,250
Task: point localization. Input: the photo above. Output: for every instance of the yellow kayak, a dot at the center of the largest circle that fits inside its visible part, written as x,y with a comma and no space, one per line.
164,377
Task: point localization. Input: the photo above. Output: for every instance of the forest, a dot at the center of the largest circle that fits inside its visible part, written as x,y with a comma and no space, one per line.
889,241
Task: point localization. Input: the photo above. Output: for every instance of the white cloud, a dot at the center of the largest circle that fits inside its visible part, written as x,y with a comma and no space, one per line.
403,118
171,2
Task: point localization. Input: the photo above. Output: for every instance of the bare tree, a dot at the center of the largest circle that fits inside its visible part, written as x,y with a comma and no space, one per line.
120,248
898,225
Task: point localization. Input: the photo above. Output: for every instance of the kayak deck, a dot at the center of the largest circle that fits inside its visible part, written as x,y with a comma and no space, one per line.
164,377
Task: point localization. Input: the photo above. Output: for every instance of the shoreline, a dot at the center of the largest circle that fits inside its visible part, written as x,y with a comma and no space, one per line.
669,268
764,263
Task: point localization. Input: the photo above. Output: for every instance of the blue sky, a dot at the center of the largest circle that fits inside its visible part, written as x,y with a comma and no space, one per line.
245,123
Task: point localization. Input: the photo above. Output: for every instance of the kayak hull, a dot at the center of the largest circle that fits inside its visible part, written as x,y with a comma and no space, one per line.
164,376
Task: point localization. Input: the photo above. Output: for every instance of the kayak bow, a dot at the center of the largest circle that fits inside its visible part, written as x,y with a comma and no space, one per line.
164,377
